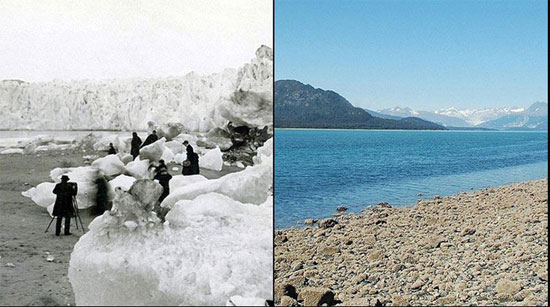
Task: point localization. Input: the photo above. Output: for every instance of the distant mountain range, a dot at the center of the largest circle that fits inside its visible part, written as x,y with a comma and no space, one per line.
301,105
298,105
533,118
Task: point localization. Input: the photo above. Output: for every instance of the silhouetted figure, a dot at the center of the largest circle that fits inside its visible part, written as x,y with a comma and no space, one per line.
101,196
164,178
161,166
63,207
112,150
136,143
150,139
191,165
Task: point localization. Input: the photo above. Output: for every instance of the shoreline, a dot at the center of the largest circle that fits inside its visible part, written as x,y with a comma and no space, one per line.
408,130
486,247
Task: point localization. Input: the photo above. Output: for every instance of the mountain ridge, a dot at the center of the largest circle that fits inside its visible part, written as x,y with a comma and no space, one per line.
299,105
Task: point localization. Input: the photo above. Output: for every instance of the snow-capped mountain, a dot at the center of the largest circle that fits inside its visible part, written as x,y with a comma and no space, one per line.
476,117
535,117
442,119
200,103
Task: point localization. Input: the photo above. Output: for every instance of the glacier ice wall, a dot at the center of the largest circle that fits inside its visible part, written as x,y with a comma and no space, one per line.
200,103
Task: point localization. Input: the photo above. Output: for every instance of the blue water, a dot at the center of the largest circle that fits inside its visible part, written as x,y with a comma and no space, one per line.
318,170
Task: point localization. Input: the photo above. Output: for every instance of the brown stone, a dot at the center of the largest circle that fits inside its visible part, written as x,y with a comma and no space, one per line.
316,296
507,289
288,301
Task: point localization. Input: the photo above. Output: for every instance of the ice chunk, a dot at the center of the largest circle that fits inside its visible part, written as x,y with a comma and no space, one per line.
167,155
110,165
251,185
179,158
205,256
138,168
122,181
153,152
179,181
215,141
11,151
212,160
175,146
85,177
42,195
125,158
264,153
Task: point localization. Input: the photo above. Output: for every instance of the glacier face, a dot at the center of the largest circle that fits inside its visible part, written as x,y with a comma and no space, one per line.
199,103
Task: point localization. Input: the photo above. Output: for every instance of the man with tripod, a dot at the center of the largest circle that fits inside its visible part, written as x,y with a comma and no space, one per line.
63,206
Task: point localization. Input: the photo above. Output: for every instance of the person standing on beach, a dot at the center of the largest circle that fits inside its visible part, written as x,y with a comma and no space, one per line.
164,179
136,143
191,165
150,139
112,150
63,207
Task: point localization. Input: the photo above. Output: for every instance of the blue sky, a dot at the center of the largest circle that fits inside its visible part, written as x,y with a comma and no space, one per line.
422,54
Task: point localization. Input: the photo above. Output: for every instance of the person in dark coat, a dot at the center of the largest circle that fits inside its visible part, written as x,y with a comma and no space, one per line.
101,196
63,207
150,139
136,143
161,166
191,165
112,150
164,178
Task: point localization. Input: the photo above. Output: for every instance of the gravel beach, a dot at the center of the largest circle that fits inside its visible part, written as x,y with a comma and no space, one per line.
488,247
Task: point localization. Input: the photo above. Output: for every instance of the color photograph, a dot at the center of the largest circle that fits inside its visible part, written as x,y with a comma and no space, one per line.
411,153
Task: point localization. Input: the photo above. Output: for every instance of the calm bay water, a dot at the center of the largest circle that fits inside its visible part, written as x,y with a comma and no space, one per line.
318,170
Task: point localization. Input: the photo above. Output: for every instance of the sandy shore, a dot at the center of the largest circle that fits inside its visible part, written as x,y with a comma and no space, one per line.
489,247
23,243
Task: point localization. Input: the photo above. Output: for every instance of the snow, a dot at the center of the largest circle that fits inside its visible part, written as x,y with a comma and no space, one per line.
153,152
212,160
110,165
191,102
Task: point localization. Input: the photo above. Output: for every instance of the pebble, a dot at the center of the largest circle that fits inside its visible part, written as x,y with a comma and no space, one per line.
474,248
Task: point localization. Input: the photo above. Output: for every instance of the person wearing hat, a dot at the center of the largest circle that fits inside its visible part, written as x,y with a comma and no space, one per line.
151,138
63,207
136,143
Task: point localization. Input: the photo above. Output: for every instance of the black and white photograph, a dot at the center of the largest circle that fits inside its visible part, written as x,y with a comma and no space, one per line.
136,152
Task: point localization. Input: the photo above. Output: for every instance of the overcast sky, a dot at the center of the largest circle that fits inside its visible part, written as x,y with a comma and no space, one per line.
96,39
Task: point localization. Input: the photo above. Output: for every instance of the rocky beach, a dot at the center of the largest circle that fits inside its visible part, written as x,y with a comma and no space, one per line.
488,247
